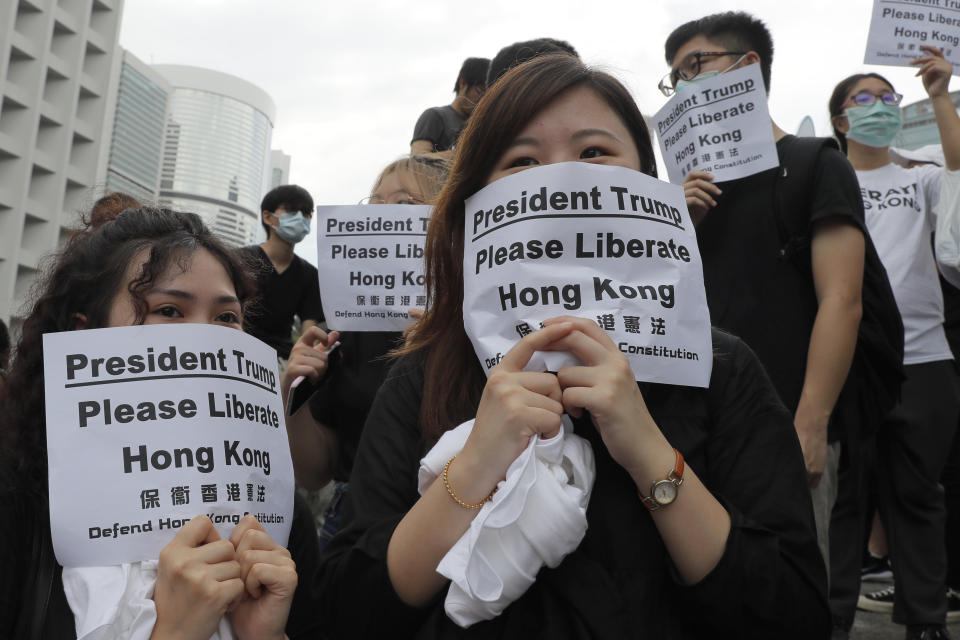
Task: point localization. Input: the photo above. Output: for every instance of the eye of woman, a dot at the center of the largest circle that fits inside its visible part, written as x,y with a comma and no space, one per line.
167,311
229,317
523,161
592,152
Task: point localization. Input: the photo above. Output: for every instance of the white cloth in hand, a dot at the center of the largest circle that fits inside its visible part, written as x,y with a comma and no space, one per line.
116,602
536,517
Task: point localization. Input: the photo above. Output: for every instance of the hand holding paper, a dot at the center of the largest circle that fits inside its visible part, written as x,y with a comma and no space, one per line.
605,386
308,357
935,71
270,579
515,406
198,578
700,192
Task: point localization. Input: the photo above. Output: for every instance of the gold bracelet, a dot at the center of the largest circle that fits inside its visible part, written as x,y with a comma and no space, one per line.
465,505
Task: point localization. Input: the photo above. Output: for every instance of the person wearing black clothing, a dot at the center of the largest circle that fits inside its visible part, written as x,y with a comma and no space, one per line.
287,285
734,555
800,316
323,439
133,267
437,128
24,522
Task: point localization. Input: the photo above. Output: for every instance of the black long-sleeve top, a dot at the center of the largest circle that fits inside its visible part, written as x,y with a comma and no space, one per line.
620,582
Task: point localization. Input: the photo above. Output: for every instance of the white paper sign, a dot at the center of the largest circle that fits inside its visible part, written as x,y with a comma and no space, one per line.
720,125
370,259
899,27
605,243
149,426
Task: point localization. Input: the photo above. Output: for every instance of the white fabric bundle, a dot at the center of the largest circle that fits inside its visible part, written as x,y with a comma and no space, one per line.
536,517
116,602
947,235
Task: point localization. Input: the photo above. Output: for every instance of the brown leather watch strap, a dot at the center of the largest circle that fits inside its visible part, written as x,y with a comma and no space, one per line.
675,476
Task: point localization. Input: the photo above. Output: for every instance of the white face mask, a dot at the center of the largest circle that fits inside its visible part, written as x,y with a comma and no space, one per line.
293,227
706,75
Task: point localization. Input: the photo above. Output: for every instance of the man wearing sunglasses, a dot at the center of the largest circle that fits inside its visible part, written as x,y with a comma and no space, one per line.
802,321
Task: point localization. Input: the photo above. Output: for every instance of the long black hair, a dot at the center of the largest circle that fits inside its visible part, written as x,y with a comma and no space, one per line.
84,278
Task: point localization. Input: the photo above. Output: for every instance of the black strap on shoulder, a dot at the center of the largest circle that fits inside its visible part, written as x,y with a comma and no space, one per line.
798,164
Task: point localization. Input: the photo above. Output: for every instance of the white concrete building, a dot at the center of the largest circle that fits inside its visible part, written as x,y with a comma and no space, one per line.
55,63
216,156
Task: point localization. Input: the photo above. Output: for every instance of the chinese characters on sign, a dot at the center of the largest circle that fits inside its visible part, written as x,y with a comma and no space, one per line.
720,125
899,27
372,260
150,426
599,242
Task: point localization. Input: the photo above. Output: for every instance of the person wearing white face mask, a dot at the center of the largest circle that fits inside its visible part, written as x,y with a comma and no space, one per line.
913,441
287,285
795,300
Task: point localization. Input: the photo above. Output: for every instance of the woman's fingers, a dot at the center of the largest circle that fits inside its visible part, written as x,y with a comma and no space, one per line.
280,580
544,384
518,356
247,523
223,571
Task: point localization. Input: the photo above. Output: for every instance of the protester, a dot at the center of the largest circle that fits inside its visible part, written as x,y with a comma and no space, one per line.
914,440
519,52
287,285
438,127
734,556
139,266
323,438
800,317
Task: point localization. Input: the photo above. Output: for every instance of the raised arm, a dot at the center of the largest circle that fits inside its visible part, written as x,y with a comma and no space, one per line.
935,72
313,446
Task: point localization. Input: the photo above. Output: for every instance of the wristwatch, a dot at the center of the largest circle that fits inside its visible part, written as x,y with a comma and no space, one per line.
664,492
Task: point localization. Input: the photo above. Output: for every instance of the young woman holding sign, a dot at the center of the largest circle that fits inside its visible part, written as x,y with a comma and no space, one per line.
143,266
913,442
734,555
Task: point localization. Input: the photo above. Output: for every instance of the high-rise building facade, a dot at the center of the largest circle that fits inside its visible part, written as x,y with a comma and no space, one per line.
279,168
139,117
216,154
55,65
920,125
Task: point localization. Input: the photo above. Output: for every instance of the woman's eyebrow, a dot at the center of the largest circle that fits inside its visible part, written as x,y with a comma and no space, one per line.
176,293
585,133
186,295
522,141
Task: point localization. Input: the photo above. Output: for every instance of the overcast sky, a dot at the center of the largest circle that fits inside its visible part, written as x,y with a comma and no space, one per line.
350,78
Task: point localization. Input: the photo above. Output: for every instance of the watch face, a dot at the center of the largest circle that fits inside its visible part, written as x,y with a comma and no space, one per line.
664,492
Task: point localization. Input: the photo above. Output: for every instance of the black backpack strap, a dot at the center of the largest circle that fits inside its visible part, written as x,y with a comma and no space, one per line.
798,165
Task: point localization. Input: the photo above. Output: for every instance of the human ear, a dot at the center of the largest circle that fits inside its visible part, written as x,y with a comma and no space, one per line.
840,123
751,57
79,321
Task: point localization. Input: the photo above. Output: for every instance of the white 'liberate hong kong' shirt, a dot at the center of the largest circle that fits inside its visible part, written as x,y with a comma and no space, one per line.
899,206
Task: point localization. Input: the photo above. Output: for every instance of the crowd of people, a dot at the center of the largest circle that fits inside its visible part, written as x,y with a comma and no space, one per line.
739,510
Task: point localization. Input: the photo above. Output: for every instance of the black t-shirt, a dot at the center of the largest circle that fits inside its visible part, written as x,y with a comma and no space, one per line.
17,531
281,296
619,583
439,125
752,292
344,399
